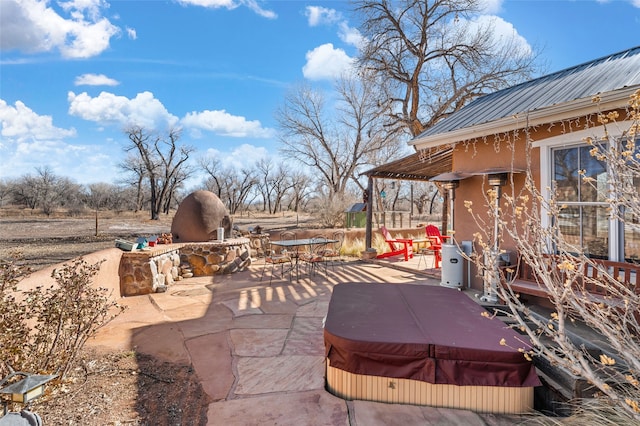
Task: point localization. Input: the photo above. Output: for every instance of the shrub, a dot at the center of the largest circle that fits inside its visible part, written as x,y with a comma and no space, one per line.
44,329
331,210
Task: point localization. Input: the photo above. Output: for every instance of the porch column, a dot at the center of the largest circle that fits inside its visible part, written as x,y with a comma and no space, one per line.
367,232
445,208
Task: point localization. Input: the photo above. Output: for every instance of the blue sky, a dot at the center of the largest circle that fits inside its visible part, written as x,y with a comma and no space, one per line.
74,73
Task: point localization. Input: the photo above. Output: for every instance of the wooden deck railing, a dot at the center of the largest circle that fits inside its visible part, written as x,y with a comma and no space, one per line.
590,282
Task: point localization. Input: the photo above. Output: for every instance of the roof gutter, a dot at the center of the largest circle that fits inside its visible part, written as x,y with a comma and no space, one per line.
568,110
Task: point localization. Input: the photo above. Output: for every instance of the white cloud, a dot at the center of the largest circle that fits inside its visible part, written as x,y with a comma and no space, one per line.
95,80
144,110
253,5
225,124
350,35
230,5
21,124
133,35
490,7
213,4
504,33
240,157
318,15
82,163
326,62
32,26
29,140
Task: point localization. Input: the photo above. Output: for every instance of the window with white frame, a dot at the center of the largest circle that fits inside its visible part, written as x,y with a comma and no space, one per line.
631,223
585,220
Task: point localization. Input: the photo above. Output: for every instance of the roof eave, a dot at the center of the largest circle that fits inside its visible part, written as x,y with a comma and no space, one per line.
568,110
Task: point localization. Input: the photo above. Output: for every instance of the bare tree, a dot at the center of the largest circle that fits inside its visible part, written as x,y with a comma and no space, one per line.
213,168
300,190
232,186
164,161
25,191
238,188
424,197
46,190
273,183
100,196
134,167
175,183
334,142
6,190
433,59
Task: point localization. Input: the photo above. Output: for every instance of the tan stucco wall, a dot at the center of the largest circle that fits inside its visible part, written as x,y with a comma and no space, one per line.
478,158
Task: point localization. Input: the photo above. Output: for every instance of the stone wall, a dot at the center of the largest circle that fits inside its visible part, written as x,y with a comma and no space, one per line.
149,271
155,268
216,257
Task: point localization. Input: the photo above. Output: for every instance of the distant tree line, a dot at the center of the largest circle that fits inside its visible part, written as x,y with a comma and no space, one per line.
264,187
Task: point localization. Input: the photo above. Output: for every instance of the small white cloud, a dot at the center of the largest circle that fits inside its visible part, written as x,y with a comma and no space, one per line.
133,35
212,4
240,157
318,15
95,80
326,62
253,5
351,35
225,124
32,26
144,110
21,124
230,5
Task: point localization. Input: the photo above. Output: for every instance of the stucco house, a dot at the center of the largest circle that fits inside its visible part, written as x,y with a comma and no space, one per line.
551,115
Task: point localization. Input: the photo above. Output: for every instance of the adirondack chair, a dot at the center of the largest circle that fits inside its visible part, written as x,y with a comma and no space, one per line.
436,239
398,246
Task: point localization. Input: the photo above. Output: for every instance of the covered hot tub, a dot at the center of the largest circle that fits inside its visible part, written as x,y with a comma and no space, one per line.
425,345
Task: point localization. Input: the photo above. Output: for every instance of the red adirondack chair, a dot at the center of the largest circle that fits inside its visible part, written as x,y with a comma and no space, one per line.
398,246
436,239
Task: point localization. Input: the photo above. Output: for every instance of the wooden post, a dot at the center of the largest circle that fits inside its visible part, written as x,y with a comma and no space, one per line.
367,233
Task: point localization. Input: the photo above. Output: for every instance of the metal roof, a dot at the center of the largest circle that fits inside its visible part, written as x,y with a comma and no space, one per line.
610,73
422,165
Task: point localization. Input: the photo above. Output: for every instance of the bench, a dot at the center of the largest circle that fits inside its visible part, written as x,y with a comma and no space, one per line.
526,281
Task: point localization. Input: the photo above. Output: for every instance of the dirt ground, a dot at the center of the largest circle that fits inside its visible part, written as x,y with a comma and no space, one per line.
45,241
112,388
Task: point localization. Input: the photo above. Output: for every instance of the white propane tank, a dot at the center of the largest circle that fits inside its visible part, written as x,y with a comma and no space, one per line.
452,266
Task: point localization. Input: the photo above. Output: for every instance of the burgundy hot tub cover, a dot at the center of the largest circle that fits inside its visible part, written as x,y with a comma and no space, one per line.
428,333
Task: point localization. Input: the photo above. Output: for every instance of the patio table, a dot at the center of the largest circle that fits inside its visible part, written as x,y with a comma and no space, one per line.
297,243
